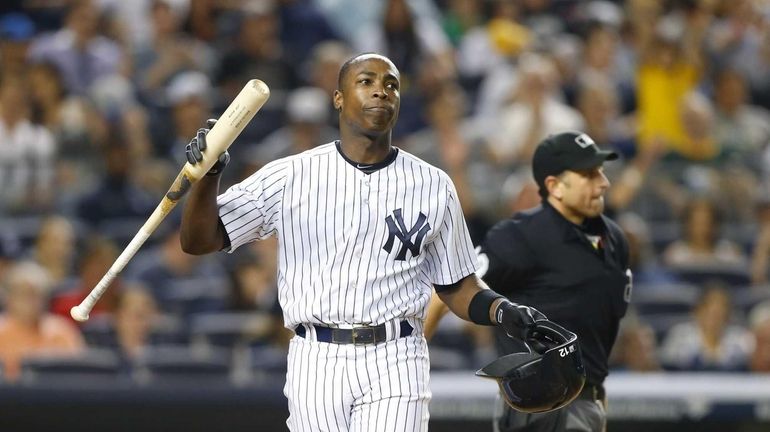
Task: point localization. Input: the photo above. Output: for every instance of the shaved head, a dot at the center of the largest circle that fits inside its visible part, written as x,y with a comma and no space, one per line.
357,59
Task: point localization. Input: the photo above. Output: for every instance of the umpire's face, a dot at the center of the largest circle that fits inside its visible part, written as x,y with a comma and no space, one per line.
581,193
369,98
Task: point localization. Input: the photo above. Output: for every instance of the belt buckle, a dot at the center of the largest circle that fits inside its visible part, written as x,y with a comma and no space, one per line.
362,335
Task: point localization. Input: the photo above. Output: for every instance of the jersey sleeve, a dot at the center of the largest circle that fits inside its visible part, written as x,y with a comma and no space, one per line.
508,258
450,256
250,210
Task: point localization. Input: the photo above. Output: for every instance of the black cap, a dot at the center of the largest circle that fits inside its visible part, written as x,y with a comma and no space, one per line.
566,151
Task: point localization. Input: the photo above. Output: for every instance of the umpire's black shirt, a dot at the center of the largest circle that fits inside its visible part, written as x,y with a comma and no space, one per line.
538,258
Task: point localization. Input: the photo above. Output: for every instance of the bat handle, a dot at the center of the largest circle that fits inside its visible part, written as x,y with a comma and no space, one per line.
80,312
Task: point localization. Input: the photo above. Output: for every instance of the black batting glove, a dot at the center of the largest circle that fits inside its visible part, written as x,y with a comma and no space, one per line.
538,341
517,320
194,150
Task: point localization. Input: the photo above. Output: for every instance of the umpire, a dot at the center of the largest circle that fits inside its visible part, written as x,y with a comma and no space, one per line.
569,261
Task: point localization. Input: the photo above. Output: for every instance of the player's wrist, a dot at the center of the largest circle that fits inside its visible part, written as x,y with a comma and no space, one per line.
514,319
480,309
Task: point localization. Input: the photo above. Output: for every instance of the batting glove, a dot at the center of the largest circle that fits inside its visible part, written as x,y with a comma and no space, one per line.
517,320
194,150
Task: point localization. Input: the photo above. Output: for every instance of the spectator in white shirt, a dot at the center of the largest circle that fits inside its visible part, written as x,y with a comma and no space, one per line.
26,152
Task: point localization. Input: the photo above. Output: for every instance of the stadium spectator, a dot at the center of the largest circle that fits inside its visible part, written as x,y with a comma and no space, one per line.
302,28
642,258
320,71
456,144
536,110
97,258
738,38
636,349
118,195
9,250
26,329
702,244
27,152
136,313
760,255
54,248
669,68
759,320
602,63
708,341
307,116
68,117
78,50
182,284
16,32
742,129
169,52
258,52
189,98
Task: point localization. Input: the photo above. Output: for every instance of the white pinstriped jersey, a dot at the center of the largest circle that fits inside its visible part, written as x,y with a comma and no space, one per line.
354,248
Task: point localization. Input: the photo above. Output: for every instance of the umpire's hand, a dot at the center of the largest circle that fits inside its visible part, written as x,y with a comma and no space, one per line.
194,150
517,320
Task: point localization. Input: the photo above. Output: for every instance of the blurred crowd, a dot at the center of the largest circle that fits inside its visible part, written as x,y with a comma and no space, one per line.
99,97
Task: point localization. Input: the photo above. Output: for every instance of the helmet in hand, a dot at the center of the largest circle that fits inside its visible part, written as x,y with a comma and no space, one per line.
547,377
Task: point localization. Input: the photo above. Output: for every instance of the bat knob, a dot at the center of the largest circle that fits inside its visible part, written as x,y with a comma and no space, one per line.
79,313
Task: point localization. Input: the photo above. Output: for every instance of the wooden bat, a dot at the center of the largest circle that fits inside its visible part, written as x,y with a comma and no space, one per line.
219,138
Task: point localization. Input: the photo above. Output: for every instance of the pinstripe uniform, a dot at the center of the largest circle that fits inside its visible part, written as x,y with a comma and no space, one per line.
354,249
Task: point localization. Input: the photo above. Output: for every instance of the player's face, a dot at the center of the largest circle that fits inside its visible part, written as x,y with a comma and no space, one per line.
582,192
370,98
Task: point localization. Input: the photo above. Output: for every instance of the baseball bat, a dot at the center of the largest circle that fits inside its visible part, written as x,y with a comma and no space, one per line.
237,115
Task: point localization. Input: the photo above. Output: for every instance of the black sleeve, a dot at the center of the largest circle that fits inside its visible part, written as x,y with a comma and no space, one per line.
226,243
621,241
447,288
509,257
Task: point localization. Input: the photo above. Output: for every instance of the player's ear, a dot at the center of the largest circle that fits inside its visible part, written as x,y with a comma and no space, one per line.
337,100
554,187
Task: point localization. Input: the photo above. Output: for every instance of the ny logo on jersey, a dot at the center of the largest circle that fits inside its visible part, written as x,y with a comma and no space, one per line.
398,229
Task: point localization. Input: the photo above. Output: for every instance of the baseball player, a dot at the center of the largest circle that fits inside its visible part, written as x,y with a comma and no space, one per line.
365,232
569,260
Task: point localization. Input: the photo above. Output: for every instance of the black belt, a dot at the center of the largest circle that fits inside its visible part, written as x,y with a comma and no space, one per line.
592,392
357,335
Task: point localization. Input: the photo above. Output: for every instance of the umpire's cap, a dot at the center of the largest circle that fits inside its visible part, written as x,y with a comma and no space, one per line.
544,379
566,151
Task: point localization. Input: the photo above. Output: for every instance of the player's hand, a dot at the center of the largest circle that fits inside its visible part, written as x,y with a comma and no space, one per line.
194,150
517,320
540,341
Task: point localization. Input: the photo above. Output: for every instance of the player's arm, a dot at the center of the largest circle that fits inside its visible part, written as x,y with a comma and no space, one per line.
436,310
472,300
503,262
201,230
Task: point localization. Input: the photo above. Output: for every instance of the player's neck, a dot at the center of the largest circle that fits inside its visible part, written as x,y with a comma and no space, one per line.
364,149
566,212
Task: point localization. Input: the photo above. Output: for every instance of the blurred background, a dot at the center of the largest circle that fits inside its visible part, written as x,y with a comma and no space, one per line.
99,97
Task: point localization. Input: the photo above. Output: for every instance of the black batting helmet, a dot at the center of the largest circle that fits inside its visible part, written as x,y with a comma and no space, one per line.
548,377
